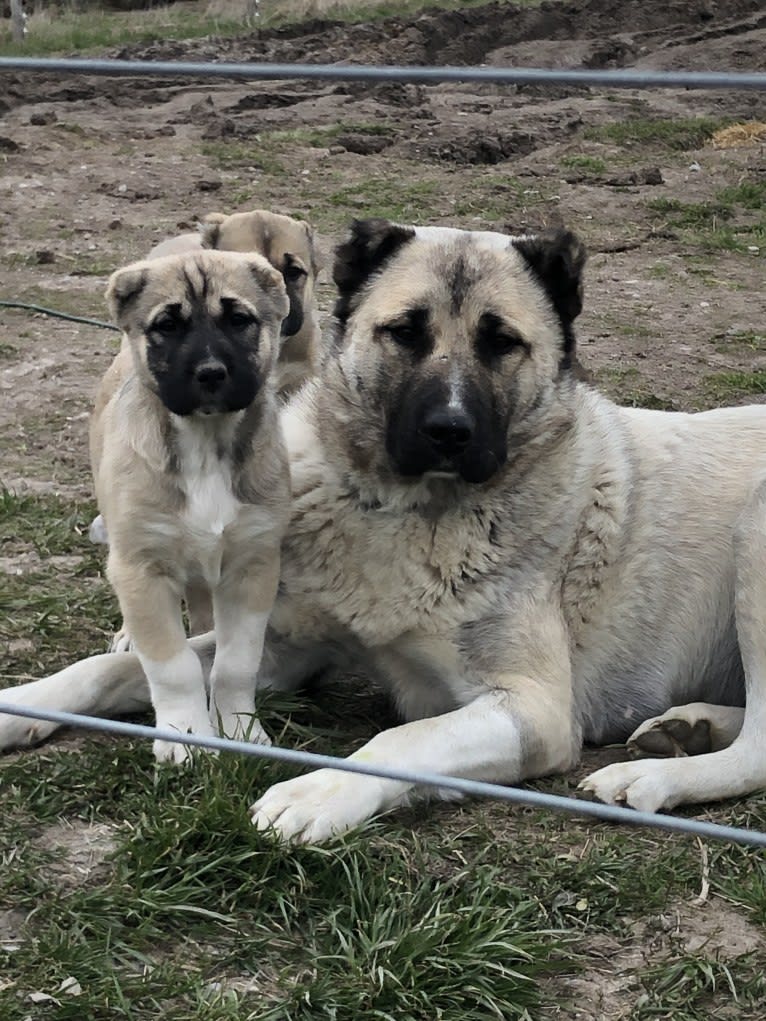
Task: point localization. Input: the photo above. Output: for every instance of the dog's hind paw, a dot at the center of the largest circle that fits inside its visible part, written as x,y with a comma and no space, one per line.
121,642
692,729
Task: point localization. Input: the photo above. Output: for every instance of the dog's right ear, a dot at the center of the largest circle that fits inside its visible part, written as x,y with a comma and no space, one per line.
123,289
210,229
370,244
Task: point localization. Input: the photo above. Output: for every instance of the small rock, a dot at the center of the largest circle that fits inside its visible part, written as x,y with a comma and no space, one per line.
696,167
43,117
209,184
166,130
336,150
8,144
45,257
115,224
652,175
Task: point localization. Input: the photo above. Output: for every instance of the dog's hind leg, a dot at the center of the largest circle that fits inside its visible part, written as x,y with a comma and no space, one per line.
740,768
687,730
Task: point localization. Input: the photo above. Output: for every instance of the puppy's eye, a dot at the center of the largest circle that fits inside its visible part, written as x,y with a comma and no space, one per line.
294,272
241,320
167,325
505,342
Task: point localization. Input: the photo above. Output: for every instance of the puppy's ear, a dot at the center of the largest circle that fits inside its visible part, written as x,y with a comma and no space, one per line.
370,245
557,258
271,281
316,260
123,290
210,229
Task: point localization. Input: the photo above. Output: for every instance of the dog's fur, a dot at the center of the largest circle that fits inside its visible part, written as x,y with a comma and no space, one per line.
290,247
524,564
191,475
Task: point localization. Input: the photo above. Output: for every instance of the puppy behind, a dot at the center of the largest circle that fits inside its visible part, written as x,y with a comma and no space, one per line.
289,246
191,475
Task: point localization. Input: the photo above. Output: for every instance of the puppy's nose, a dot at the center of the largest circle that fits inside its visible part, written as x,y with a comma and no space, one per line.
211,374
448,430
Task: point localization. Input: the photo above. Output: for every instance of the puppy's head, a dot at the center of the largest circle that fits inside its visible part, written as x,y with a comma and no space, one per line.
446,342
203,326
288,244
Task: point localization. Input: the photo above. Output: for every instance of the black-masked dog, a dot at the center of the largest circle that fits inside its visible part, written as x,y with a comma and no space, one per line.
191,476
525,565
290,247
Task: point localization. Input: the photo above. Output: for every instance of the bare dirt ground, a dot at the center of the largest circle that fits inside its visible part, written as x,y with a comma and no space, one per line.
95,171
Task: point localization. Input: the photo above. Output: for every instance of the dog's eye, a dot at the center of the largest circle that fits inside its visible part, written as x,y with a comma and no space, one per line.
241,320
404,335
294,272
496,338
167,325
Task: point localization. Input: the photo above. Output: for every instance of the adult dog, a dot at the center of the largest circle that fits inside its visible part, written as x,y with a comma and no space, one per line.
192,478
290,247
524,564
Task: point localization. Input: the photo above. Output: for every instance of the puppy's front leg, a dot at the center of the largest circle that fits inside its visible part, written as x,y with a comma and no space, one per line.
151,609
518,727
241,607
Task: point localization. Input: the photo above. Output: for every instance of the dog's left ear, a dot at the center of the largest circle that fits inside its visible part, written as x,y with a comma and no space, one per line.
370,244
557,258
123,289
210,229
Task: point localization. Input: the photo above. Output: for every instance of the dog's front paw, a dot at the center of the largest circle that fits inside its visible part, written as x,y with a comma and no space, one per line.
317,806
239,725
645,786
175,752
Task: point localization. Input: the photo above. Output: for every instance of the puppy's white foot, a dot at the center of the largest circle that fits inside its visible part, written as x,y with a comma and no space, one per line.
645,786
97,532
121,642
20,731
239,725
317,806
174,751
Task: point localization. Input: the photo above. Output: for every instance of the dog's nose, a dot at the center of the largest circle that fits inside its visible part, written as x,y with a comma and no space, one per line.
211,374
448,430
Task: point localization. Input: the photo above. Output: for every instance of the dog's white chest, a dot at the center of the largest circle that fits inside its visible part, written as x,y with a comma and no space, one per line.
210,505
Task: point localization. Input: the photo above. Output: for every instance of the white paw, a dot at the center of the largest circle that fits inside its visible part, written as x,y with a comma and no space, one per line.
646,786
241,725
174,751
20,731
97,532
317,806
121,642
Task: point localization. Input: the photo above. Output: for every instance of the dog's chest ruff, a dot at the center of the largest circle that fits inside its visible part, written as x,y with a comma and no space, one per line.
210,505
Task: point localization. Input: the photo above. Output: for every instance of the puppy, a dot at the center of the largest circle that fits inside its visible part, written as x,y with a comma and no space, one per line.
191,476
289,246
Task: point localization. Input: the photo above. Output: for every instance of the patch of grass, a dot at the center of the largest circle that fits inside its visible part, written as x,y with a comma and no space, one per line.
689,987
226,155
744,341
588,164
8,350
726,386
748,194
709,223
323,136
676,134
393,198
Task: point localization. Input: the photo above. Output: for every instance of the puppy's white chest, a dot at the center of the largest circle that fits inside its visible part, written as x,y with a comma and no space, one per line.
210,505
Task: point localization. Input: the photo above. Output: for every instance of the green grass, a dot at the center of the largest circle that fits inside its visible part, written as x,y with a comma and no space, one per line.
675,134
723,224
726,386
588,164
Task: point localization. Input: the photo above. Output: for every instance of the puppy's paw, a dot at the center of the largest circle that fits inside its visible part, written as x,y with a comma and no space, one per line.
693,729
317,806
241,725
97,532
646,786
175,752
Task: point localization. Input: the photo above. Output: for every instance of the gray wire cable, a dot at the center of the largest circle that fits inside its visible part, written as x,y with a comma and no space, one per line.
472,788
59,315
423,75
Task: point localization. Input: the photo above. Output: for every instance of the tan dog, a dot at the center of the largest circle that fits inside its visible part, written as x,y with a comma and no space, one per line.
191,475
289,246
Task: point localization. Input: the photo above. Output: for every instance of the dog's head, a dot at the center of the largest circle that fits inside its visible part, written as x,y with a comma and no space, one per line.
203,326
288,244
445,342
